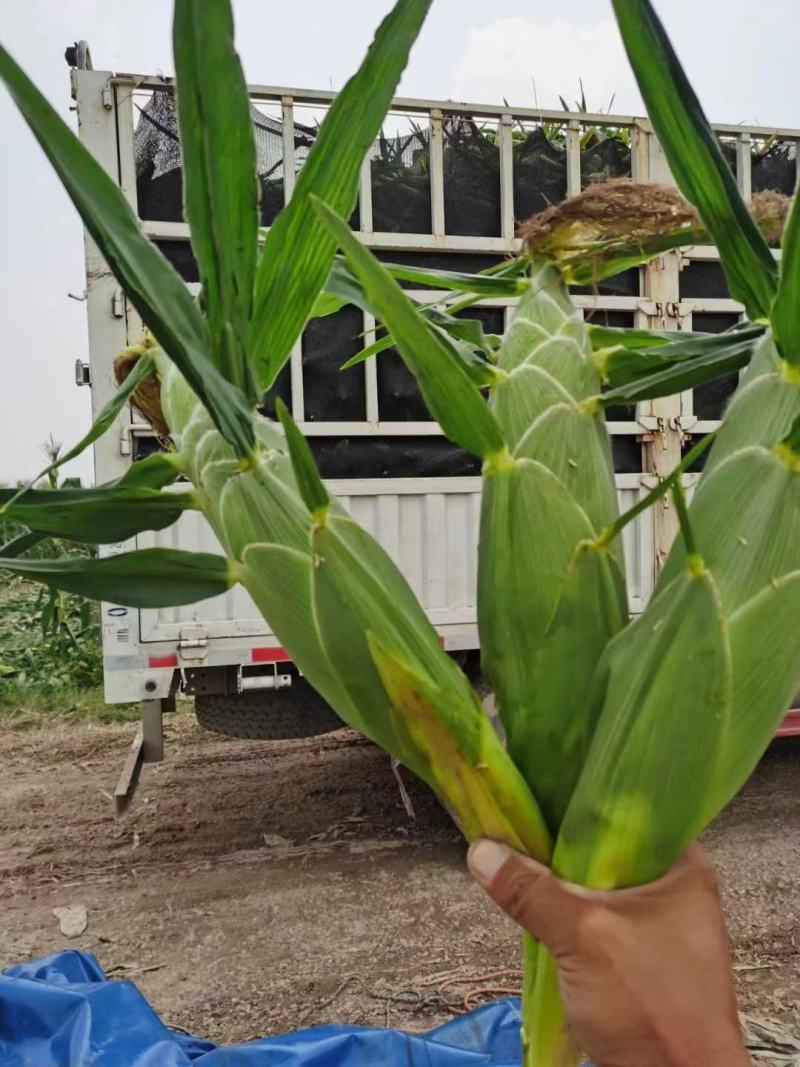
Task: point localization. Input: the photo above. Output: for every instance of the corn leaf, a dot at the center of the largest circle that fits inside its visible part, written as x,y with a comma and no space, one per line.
565,698
645,374
766,676
481,284
299,249
530,527
326,304
20,544
465,337
353,567
623,360
785,315
260,506
219,176
523,397
149,578
695,158
446,385
763,409
357,590
155,289
309,484
659,490
612,337
279,580
573,444
152,472
745,518
96,516
649,772
548,331
381,345
484,789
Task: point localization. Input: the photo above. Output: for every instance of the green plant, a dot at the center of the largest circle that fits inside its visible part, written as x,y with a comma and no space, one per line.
49,640
624,739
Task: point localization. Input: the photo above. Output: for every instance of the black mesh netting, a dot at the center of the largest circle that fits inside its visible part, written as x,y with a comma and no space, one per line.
391,457
401,184
710,399
626,451
626,283
158,160
471,179
703,278
180,255
401,203
603,158
624,320
330,394
465,262
540,174
282,388
399,398
699,463
775,167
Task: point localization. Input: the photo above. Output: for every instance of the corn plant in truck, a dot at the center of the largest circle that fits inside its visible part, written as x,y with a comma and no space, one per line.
610,769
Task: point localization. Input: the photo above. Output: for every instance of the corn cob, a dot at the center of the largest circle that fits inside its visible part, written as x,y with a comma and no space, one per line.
349,620
540,558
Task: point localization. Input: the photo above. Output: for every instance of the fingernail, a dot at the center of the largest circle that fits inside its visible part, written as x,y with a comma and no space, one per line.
485,858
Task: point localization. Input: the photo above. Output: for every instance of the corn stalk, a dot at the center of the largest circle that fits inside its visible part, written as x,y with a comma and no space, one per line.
609,770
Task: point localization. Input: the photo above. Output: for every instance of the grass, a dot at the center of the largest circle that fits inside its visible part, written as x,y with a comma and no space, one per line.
51,667
25,708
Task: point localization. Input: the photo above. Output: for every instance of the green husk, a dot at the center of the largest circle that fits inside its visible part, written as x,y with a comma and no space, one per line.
637,805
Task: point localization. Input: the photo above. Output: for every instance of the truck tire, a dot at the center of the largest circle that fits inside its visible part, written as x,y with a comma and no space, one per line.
270,715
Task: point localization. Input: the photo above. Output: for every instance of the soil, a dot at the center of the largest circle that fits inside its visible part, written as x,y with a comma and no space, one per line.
256,887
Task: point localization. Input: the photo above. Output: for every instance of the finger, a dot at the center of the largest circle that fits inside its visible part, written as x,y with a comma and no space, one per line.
524,889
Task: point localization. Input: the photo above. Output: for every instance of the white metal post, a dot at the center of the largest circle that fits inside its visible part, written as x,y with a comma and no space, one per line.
289,171
105,304
663,445
744,166
123,99
505,134
573,157
437,175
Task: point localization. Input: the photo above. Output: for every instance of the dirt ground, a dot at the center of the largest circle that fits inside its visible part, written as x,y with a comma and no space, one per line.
257,887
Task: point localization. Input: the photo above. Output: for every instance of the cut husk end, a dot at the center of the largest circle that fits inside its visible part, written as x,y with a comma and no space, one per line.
147,397
586,235
487,794
612,225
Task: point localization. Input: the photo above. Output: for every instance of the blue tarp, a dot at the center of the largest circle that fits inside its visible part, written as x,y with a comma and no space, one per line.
62,1011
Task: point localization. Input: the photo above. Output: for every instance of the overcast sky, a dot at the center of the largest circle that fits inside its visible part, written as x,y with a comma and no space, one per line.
741,56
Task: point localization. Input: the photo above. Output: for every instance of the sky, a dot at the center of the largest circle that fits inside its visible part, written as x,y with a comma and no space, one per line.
740,56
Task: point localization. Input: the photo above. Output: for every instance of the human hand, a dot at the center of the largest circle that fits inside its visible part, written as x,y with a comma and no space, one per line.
645,973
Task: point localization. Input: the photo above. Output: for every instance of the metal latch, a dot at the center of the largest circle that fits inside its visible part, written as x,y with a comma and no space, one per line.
674,309
82,373
118,304
651,423
193,643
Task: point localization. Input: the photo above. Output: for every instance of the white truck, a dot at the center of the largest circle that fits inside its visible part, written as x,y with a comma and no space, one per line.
446,186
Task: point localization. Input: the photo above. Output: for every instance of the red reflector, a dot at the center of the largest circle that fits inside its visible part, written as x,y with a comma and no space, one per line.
790,727
163,661
276,654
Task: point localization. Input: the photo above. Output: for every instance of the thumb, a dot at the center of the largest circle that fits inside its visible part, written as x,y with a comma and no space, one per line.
526,890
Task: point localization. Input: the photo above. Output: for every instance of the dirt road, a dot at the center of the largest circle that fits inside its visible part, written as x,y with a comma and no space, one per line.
257,887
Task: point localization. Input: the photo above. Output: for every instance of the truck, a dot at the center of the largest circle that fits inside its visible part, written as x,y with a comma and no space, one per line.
445,185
